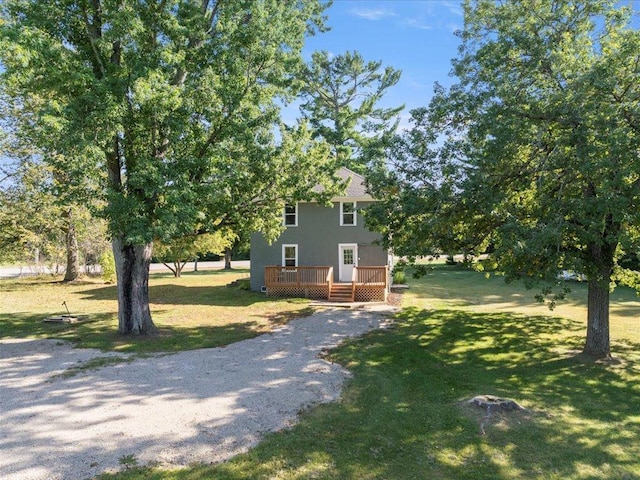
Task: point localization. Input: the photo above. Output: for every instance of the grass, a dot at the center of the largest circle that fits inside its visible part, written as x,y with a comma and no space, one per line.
404,414
197,310
94,364
459,288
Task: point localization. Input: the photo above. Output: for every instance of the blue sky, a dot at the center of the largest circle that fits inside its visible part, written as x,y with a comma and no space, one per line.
415,36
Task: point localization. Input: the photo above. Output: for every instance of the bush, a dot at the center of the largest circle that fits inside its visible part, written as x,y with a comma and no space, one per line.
399,277
108,267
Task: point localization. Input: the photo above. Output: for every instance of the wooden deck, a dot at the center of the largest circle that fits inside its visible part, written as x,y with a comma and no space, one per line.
368,284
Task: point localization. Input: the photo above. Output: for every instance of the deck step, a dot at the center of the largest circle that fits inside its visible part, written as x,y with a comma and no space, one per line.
341,292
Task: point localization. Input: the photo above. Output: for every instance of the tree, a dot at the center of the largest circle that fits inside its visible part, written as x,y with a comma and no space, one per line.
29,218
41,203
172,107
71,212
20,235
240,243
534,152
40,226
46,183
176,254
342,95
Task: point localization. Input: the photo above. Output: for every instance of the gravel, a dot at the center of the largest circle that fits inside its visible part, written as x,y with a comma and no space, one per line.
60,419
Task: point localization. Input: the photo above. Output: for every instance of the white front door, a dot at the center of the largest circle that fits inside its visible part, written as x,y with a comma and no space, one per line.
347,260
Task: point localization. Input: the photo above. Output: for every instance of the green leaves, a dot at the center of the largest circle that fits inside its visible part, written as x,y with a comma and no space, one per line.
174,102
182,250
533,152
341,96
170,108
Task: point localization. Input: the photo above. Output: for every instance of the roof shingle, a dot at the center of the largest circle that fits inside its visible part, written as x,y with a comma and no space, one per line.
355,189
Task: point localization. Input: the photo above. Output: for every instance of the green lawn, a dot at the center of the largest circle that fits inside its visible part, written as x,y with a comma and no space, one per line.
404,414
197,310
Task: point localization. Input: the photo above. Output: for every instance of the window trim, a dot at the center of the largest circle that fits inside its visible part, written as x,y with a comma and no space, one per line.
284,259
355,216
284,214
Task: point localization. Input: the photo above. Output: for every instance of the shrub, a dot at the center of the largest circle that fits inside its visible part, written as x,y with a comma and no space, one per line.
108,266
399,278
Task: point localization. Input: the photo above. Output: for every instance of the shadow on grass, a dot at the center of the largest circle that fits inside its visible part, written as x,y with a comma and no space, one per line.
512,353
180,326
177,294
24,324
208,272
174,339
464,287
402,415
100,332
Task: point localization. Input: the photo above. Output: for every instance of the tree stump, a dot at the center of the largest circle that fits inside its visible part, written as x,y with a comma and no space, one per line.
493,404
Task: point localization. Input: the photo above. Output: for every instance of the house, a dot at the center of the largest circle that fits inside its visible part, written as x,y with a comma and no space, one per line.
324,252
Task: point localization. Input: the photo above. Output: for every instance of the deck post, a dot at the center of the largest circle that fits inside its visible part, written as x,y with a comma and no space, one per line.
329,281
354,278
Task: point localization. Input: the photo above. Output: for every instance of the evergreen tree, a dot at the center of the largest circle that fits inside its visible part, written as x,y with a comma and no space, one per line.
341,96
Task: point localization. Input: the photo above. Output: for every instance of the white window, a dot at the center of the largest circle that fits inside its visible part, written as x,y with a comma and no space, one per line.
347,257
348,213
290,255
290,215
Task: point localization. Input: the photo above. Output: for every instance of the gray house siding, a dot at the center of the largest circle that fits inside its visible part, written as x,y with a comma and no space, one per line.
317,236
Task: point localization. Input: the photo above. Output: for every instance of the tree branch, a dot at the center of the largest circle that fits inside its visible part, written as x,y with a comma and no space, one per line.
94,32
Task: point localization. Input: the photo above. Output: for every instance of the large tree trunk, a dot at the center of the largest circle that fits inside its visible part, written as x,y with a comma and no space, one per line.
597,344
132,271
73,267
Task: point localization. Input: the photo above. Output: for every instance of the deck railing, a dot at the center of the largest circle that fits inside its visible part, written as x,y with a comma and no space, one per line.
371,276
323,275
297,275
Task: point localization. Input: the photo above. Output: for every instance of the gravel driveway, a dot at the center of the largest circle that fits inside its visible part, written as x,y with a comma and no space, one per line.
197,406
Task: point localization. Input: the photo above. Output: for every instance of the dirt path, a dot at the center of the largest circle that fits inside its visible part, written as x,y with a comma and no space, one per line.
196,406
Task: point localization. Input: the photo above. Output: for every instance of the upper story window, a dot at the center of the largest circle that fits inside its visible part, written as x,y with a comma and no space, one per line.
348,213
290,216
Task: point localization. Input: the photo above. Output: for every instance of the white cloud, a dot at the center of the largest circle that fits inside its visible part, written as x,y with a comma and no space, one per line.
419,23
430,15
426,24
454,8
373,14
415,84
